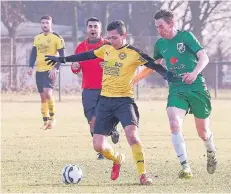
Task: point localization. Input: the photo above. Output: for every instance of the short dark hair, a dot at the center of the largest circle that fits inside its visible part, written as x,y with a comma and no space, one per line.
46,17
93,19
166,15
118,25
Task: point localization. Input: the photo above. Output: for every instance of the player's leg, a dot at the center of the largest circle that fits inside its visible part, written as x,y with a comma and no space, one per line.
128,114
48,90
176,109
44,105
102,129
90,98
89,102
92,124
114,133
201,108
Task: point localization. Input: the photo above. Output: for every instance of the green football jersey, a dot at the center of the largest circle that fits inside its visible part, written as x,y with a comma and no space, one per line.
180,57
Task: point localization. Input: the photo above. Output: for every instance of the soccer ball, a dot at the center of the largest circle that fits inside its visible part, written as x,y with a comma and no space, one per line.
72,174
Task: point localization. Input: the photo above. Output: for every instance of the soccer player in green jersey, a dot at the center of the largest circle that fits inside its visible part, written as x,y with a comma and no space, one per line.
185,56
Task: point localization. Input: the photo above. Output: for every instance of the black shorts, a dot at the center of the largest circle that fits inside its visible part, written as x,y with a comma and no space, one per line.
109,109
43,81
90,98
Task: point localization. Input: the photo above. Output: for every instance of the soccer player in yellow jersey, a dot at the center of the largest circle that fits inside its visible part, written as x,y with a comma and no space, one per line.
46,43
117,100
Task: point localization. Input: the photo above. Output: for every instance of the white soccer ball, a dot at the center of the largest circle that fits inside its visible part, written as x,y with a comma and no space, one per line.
72,174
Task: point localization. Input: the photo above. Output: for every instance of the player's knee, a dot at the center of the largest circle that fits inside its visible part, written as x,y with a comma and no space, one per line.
203,133
132,135
174,125
48,93
43,97
98,145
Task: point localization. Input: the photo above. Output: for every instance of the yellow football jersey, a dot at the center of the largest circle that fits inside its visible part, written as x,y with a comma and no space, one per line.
119,69
46,45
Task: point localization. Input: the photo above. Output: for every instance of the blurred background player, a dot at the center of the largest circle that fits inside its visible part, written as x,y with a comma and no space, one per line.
186,57
117,95
47,42
92,73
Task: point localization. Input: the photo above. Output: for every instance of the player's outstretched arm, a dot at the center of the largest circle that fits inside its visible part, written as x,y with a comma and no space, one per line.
168,75
52,60
61,54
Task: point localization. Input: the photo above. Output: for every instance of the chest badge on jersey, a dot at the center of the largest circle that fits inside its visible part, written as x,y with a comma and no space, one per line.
48,40
180,47
122,55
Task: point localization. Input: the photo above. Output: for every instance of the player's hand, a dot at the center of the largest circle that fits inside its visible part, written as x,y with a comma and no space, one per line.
75,68
171,76
189,78
53,73
30,71
52,60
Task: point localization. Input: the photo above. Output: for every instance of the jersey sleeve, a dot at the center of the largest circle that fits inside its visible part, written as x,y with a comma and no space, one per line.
60,43
142,58
191,42
99,52
35,42
156,53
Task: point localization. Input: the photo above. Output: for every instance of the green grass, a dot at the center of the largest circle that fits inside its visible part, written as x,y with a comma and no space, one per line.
32,159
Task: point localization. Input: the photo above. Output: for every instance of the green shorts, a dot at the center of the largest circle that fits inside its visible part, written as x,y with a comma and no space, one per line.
197,103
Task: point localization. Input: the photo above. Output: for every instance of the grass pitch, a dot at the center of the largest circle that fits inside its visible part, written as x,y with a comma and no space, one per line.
32,159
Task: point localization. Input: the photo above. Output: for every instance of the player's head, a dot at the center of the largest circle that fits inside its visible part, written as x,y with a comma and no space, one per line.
164,22
46,22
117,33
93,28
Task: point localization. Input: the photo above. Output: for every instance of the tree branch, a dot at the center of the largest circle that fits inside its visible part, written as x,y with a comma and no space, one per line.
12,15
184,22
208,12
179,3
217,32
218,19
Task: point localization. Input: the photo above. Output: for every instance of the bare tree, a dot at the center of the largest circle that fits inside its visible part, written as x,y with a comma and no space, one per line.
11,16
209,21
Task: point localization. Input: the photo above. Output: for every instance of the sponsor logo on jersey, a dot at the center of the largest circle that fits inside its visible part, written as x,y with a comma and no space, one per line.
173,60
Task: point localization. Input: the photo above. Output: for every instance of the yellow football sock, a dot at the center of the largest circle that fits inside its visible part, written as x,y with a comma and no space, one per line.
111,155
138,156
45,111
51,105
